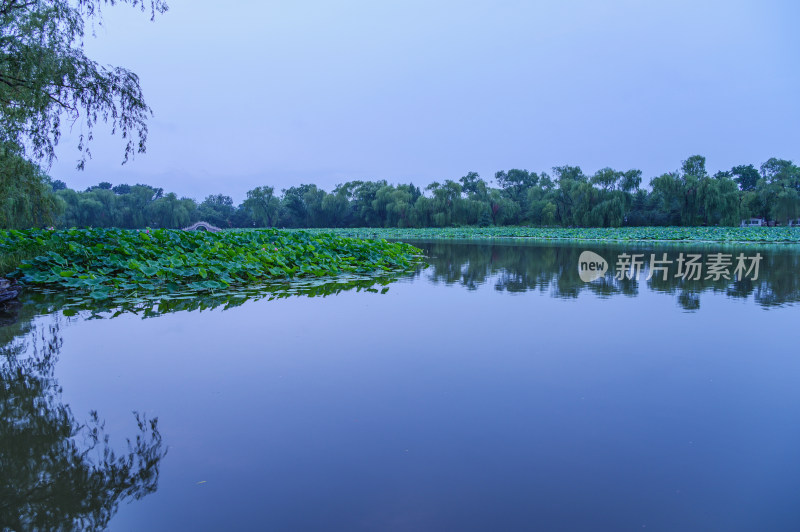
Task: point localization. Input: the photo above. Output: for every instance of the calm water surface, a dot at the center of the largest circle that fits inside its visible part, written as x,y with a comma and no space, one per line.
492,390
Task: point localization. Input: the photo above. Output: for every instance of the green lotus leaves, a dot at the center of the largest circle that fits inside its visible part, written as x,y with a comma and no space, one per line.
116,263
610,234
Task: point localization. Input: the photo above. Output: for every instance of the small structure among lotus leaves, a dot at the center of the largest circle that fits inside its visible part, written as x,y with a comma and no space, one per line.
203,226
753,222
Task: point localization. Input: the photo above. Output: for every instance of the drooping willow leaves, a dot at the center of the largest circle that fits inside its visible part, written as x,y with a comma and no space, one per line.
46,77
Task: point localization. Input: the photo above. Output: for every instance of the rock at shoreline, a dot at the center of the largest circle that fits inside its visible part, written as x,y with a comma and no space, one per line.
8,290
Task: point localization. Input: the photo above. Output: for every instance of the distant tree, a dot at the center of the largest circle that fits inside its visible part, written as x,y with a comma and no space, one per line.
132,205
646,209
631,180
157,192
394,205
503,210
786,205
671,199
746,176
569,173
780,189
294,209
484,219
515,183
365,194
606,178
26,195
337,207
608,198
216,209
448,205
777,169
718,201
313,198
168,212
540,208
263,205
567,195
694,166
546,183
473,185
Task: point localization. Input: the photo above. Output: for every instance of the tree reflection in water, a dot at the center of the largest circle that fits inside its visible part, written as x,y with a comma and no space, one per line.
553,269
57,473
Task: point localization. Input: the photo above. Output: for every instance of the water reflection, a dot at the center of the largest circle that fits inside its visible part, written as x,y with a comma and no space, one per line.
511,266
152,305
57,473
553,269
445,430
17,316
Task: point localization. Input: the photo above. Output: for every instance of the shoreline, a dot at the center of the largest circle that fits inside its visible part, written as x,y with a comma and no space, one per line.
682,235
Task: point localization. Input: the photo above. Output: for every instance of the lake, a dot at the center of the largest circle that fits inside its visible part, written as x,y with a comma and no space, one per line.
493,389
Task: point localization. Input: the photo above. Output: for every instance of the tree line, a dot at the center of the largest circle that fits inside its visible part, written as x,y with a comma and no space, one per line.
46,80
689,196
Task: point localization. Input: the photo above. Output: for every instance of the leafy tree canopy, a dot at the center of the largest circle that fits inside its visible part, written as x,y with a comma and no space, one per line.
45,77
746,175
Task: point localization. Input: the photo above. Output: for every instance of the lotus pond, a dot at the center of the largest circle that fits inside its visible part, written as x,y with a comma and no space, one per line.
122,266
603,234
487,386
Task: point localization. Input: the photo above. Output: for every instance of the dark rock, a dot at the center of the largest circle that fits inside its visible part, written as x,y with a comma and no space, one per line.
9,290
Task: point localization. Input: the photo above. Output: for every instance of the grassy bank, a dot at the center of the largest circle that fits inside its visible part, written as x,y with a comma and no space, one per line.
19,246
108,263
12,260
621,234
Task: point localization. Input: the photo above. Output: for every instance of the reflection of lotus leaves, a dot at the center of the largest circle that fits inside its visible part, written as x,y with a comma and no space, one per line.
591,266
148,305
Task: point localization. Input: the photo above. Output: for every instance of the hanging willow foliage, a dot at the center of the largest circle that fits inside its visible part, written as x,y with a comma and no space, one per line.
45,78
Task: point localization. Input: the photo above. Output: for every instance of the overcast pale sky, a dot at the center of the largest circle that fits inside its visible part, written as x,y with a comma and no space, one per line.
254,92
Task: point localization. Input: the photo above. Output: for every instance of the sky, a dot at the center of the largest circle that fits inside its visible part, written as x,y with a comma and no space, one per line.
257,92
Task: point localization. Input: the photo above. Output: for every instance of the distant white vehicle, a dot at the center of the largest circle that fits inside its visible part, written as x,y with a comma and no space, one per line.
794,223
753,222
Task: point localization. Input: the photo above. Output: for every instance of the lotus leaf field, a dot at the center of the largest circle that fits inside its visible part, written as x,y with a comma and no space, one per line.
619,234
116,263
